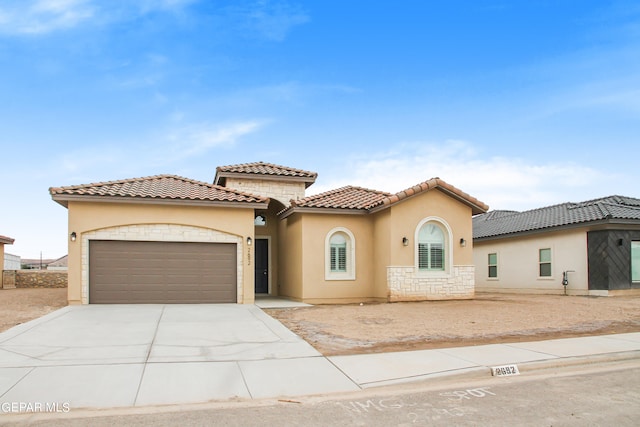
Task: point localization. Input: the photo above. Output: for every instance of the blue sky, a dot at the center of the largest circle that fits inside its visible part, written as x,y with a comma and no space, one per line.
521,104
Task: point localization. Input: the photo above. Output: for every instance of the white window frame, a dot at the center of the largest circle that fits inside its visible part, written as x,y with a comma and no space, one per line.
350,274
636,244
496,265
448,247
550,262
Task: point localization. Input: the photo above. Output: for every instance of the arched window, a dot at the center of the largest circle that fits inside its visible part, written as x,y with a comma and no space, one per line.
340,255
433,251
338,252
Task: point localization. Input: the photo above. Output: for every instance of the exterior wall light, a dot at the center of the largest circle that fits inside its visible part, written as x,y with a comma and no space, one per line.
463,242
249,241
73,236
405,241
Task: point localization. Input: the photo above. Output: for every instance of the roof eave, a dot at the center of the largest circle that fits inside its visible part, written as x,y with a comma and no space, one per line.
586,224
335,211
6,240
65,199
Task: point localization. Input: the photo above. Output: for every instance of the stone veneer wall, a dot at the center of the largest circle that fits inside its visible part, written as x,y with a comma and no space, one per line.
159,233
279,190
404,285
34,279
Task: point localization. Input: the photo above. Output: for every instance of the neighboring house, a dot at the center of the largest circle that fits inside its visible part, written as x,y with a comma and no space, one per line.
594,245
36,264
4,240
12,262
165,238
58,265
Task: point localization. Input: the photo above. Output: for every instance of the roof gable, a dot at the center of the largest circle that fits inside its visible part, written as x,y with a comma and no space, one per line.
158,188
502,223
363,200
262,170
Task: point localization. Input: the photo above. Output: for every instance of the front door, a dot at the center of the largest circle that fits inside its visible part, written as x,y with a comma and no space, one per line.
262,266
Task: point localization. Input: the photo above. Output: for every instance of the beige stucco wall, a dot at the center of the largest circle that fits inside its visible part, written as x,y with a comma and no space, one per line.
157,222
518,266
282,191
290,257
316,289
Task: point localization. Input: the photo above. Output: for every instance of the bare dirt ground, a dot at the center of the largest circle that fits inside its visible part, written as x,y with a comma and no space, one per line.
488,319
21,305
370,328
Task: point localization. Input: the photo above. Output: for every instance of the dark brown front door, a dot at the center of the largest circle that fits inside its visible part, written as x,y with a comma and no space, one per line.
262,266
125,272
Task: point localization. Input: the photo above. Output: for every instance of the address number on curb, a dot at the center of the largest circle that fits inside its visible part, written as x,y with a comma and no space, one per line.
503,371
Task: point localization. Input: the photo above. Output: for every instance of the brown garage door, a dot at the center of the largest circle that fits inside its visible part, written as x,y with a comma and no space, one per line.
127,272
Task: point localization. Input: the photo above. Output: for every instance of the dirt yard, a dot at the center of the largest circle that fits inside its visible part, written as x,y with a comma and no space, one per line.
489,318
349,329
21,305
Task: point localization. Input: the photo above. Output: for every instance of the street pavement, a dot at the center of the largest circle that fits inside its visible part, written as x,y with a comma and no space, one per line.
119,356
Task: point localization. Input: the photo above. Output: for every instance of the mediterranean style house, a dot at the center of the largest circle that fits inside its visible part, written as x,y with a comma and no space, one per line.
586,248
253,231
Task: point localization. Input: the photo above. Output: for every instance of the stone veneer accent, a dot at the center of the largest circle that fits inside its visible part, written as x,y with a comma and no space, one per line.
34,279
159,233
279,190
405,285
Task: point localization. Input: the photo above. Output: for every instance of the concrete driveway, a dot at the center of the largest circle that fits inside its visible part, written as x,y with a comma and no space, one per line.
134,355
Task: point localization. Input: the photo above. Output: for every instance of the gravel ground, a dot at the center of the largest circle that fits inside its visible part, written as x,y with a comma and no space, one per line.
487,319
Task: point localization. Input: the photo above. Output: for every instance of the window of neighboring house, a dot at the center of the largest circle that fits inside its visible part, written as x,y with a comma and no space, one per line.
431,247
544,259
635,261
493,265
340,258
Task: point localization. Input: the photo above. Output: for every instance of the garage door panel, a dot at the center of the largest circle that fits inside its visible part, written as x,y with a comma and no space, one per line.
161,272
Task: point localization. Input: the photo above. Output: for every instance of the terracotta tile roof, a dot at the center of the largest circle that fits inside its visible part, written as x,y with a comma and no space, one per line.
264,170
503,223
348,197
6,240
476,205
158,188
369,201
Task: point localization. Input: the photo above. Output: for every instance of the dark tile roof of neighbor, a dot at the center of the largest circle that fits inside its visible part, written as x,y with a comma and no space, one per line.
158,187
6,240
262,169
501,223
366,200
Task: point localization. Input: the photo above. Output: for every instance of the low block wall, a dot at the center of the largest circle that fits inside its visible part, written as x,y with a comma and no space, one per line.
34,279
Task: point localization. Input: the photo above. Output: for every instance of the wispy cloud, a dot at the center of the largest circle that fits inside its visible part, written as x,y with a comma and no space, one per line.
268,19
37,17
43,16
190,140
501,182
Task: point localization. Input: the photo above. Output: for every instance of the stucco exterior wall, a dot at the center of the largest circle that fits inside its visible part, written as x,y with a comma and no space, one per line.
290,258
317,289
280,190
518,263
129,221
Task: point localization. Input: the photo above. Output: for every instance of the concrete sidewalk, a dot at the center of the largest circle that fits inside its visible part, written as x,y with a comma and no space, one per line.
131,356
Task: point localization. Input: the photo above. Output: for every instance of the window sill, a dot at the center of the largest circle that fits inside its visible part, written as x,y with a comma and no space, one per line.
337,278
